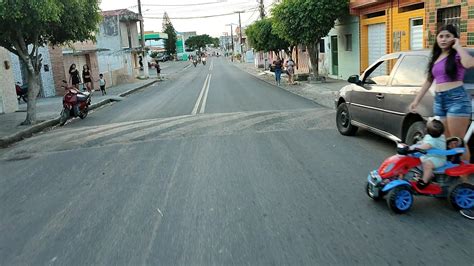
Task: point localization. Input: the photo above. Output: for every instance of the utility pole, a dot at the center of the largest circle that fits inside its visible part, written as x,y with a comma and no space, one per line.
262,10
232,38
240,33
142,42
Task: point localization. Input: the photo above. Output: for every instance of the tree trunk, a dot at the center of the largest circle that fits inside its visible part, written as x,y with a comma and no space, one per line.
314,58
33,89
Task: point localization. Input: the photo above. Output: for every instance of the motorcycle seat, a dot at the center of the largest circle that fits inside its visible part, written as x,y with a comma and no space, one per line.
81,97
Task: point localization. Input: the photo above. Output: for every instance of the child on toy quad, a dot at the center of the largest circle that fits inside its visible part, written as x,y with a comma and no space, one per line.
434,138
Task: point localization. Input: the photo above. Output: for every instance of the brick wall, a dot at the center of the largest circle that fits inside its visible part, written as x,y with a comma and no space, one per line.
467,20
57,67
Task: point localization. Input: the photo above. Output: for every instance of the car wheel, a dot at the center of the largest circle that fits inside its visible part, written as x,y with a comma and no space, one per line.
343,121
415,133
400,199
462,196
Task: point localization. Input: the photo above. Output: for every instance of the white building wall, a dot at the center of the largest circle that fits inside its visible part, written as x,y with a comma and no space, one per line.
8,100
47,76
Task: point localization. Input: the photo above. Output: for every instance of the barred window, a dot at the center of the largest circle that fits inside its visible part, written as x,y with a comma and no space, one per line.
449,15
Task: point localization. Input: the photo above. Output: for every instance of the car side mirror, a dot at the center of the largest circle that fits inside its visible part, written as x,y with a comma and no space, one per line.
354,79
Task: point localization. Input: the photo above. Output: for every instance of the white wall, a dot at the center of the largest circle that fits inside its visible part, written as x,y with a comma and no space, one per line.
8,100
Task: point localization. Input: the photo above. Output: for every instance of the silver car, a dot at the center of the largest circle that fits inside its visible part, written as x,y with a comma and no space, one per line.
378,100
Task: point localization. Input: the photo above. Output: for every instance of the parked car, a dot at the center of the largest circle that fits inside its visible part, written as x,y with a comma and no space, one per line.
163,57
378,100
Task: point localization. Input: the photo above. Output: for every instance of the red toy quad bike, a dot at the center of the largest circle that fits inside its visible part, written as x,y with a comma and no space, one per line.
396,179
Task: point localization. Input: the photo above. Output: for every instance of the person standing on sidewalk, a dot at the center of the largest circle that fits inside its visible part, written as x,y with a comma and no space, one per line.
86,77
290,71
277,66
74,77
102,83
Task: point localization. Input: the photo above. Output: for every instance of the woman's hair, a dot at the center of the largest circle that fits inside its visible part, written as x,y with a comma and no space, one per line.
451,66
435,128
70,68
84,66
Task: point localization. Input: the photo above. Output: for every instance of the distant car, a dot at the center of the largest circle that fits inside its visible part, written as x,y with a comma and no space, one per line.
378,100
163,57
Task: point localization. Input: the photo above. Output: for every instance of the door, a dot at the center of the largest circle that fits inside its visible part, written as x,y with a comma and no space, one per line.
416,34
367,101
334,59
377,44
409,76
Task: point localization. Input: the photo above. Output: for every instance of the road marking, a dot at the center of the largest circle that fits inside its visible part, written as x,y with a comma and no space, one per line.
196,106
212,66
187,67
203,106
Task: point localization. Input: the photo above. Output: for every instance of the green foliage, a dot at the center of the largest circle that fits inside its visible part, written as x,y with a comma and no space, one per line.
170,44
52,21
306,21
262,37
200,41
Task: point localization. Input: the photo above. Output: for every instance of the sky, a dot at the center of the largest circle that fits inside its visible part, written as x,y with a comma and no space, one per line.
178,9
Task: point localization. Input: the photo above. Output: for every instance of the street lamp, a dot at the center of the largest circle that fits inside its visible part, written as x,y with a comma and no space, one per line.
232,38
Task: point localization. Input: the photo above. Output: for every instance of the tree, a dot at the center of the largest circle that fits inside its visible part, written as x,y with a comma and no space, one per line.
200,41
306,22
29,24
262,37
170,43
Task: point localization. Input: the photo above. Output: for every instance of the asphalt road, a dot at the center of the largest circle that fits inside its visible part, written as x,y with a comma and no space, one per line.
212,167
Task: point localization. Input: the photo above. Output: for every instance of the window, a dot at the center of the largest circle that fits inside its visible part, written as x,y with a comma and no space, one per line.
322,48
449,15
380,73
348,42
411,71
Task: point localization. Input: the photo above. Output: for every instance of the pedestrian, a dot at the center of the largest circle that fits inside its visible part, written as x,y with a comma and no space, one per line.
74,77
447,67
140,62
102,84
277,66
86,77
290,70
158,70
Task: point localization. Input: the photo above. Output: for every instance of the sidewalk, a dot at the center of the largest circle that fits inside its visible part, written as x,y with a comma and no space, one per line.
48,110
321,93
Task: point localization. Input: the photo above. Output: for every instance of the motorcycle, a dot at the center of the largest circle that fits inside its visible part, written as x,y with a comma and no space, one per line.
204,61
21,92
75,104
195,62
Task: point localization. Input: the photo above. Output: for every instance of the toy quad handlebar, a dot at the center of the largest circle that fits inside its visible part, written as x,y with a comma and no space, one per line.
404,149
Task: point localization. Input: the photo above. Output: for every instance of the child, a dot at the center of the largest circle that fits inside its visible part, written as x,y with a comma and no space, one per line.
102,83
434,138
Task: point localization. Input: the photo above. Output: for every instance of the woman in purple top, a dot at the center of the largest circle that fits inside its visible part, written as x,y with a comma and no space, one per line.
447,66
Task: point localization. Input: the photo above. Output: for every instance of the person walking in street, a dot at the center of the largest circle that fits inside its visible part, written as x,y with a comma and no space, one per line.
290,71
86,77
277,66
452,103
102,84
158,70
74,77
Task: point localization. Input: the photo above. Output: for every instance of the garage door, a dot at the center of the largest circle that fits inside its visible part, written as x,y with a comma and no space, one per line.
377,43
416,34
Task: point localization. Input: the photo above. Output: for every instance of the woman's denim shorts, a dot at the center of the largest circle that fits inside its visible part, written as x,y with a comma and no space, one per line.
453,102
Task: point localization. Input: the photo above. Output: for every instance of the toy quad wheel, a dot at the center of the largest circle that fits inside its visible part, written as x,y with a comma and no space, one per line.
370,193
400,199
461,196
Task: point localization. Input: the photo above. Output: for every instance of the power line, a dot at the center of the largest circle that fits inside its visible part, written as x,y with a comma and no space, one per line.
197,17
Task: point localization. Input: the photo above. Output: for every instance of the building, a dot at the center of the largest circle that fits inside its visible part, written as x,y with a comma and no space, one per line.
388,26
8,101
339,52
457,12
118,45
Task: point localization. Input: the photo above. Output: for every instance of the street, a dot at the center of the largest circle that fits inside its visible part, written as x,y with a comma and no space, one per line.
212,166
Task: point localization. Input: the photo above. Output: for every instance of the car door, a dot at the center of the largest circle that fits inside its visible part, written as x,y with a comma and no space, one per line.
408,77
367,100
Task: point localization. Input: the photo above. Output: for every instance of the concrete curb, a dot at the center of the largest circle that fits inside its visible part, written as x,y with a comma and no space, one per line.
28,132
